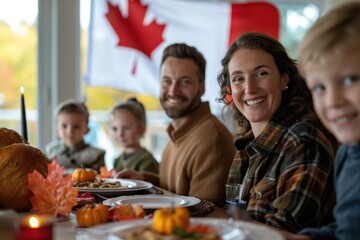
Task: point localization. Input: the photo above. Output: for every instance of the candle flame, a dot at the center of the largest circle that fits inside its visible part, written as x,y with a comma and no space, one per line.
21,89
33,222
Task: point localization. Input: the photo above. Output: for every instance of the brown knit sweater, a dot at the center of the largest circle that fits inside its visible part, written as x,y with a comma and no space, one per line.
197,158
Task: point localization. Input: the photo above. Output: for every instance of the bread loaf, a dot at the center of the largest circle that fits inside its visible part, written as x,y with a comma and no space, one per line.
8,137
17,160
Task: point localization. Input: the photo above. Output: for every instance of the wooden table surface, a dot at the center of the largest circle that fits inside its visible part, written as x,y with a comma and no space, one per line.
69,230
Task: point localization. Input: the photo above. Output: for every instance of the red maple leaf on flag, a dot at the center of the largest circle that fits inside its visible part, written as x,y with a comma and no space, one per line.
132,31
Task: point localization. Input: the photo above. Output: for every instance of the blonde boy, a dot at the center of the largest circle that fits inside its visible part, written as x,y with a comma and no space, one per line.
70,150
329,59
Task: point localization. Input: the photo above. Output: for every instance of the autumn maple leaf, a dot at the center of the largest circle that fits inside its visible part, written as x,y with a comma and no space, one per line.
104,173
53,195
131,30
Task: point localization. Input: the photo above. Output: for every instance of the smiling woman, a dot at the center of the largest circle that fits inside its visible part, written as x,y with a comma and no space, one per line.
284,155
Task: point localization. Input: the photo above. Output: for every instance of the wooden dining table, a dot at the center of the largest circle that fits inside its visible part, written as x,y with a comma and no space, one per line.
68,229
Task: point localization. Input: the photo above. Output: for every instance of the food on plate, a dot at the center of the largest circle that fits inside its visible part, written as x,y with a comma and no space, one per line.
170,223
127,211
147,232
98,183
174,223
165,220
17,160
83,175
92,214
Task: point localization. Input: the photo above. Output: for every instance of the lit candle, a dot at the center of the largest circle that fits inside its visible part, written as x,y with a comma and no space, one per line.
35,227
23,115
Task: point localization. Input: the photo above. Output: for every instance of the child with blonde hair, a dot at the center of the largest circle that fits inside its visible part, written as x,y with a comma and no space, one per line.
127,127
329,59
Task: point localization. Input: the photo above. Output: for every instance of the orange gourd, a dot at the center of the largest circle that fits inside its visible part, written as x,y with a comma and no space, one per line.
165,220
83,175
92,214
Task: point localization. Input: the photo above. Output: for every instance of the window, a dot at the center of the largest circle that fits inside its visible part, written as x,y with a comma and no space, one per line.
18,63
296,18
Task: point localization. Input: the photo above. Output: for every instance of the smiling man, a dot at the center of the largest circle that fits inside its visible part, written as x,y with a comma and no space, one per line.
198,156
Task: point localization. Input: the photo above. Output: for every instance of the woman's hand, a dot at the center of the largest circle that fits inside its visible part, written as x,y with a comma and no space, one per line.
129,174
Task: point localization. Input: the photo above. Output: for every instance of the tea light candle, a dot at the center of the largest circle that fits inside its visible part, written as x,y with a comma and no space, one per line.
35,227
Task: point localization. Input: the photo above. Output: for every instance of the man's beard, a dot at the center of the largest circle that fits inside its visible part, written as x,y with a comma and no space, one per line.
174,112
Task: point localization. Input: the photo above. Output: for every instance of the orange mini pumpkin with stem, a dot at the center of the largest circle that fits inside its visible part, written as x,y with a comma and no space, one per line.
83,175
165,220
92,214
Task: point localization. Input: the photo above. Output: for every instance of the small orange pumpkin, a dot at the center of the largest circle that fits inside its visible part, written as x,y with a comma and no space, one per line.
83,175
165,220
92,214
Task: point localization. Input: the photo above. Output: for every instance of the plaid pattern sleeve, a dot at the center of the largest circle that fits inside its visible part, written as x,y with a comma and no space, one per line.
240,163
238,167
289,182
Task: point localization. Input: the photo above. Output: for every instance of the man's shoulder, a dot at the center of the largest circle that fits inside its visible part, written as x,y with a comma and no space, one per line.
211,131
211,122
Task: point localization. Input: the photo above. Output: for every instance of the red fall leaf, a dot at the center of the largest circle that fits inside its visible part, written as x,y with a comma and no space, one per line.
104,173
53,195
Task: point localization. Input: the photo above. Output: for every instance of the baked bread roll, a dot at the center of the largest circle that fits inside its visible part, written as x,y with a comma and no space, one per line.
8,136
17,160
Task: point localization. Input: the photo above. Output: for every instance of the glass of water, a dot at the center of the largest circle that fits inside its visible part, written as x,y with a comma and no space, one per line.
233,194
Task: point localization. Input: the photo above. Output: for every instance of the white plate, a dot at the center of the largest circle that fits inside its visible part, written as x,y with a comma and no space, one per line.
154,201
254,231
127,186
228,231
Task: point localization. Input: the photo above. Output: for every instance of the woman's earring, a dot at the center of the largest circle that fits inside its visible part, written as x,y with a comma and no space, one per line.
286,88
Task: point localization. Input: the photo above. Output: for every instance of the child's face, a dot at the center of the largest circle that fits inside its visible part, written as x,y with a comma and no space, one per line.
126,130
335,86
71,128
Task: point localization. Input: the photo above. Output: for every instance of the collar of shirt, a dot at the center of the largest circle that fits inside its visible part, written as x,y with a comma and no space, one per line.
192,120
76,148
270,137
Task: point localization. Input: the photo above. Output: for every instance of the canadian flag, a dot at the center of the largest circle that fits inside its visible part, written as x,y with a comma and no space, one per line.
127,37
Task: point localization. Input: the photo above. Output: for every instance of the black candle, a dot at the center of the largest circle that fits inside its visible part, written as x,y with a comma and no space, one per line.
23,115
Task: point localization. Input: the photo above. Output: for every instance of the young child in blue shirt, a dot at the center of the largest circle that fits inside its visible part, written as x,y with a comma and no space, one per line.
127,127
329,60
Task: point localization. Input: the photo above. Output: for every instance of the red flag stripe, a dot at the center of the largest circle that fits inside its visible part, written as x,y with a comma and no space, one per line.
254,17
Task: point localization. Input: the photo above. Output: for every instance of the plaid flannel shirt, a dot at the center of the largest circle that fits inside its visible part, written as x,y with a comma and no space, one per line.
289,174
